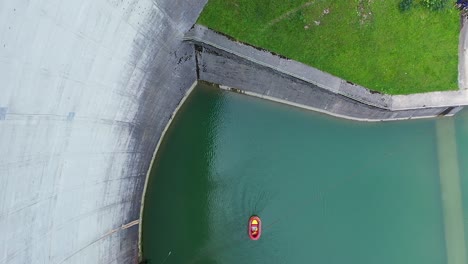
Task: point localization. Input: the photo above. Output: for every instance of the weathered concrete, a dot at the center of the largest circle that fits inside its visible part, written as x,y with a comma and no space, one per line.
462,54
87,88
328,83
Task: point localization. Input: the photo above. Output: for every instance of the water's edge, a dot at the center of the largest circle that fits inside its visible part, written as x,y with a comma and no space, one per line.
161,139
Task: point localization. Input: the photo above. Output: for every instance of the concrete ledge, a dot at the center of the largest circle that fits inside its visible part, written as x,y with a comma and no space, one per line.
323,111
202,35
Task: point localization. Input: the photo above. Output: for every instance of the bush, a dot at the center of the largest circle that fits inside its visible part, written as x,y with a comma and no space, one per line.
405,5
434,4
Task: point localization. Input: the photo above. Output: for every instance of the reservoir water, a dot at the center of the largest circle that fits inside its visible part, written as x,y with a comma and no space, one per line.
327,190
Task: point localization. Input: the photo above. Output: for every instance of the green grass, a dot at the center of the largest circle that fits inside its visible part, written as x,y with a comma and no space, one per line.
386,51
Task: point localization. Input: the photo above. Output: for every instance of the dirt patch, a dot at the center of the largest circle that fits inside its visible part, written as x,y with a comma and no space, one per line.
364,12
318,20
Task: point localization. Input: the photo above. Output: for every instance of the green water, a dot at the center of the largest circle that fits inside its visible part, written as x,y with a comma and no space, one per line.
328,191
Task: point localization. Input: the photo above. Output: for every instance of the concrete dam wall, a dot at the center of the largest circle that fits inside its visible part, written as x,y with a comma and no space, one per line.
86,89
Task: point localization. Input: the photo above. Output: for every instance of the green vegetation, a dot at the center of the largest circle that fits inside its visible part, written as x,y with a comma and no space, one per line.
405,5
368,42
435,4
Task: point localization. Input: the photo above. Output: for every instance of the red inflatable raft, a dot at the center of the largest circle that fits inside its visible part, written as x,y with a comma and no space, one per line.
255,227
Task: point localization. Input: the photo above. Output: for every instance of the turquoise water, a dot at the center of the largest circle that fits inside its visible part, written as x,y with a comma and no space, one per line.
327,190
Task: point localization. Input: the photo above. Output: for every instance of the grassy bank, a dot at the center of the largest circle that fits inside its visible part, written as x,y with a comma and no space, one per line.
368,42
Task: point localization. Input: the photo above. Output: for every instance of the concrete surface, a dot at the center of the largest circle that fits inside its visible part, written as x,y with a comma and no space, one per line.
204,36
87,88
462,55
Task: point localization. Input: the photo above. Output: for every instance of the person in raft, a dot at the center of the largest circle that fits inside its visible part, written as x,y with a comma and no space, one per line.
254,228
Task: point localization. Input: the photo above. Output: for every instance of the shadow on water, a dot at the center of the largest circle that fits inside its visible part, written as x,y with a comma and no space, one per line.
175,215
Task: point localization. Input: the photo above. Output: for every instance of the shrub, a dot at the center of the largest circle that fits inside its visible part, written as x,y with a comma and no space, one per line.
405,5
